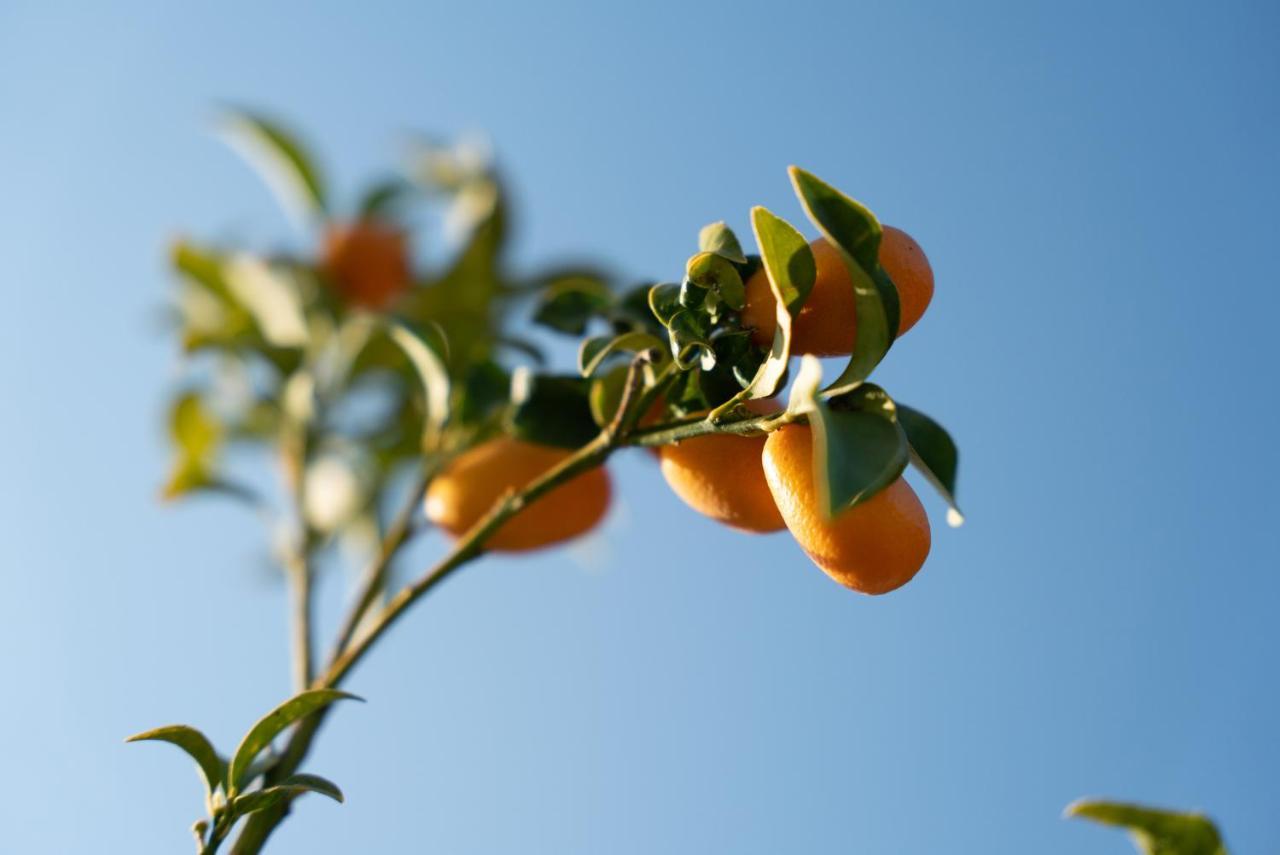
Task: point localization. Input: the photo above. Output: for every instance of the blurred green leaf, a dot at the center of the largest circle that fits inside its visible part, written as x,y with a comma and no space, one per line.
484,388
594,351
720,239
551,409
935,454
273,723
271,296
196,744
382,201
431,371
858,449
569,304
196,435
280,159
605,394
855,231
1155,831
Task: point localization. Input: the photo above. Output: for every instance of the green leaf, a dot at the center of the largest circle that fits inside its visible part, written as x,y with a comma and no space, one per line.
197,435
855,231
280,160
383,200
791,270
858,448
1155,831
273,723
569,304
197,746
664,302
690,341
605,394
551,409
431,371
720,239
935,454
716,274
594,351
289,788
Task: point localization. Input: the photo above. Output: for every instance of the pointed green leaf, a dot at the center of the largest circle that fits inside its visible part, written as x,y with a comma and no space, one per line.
605,395
858,448
383,200
289,788
935,454
197,746
855,231
196,435
720,239
431,371
280,160
273,723
1155,831
594,351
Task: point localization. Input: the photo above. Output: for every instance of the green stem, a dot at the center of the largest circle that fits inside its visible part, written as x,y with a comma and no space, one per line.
261,824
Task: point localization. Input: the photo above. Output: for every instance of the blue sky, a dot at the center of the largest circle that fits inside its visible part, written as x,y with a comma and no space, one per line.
1095,186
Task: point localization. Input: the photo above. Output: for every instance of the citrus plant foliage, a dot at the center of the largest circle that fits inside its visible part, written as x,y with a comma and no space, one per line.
390,396
1155,831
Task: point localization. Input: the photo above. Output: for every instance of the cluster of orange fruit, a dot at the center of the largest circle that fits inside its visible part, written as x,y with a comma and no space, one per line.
755,484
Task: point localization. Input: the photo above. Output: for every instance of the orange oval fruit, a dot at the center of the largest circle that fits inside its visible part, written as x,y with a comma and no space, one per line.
721,476
874,547
368,262
469,486
826,325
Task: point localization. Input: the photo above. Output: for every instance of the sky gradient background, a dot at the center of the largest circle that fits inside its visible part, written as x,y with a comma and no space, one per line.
1095,184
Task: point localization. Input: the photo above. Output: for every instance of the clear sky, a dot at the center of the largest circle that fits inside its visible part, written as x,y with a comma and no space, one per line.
1096,186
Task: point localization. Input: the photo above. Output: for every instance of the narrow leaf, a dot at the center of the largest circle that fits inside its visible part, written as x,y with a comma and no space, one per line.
273,723
935,454
197,746
855,231
280,160
382,200
858,448
1155,831
431,371
289,788
720,239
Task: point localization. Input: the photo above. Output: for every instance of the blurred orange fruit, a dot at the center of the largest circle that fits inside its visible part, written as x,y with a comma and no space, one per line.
368,262
468,488
827,323
874,547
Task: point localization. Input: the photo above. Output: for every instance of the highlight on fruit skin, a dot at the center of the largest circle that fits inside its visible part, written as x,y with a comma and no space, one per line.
368,262
468,488
721,476
827,322
874,547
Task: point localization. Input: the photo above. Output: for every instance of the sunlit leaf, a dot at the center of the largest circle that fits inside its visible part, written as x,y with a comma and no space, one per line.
272,298
690,341
858,448
720,239
196,435
664,302
605,394
1155,831
273,724
715,273
289,788
281,160
791,270
855,231
935,454
196,744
